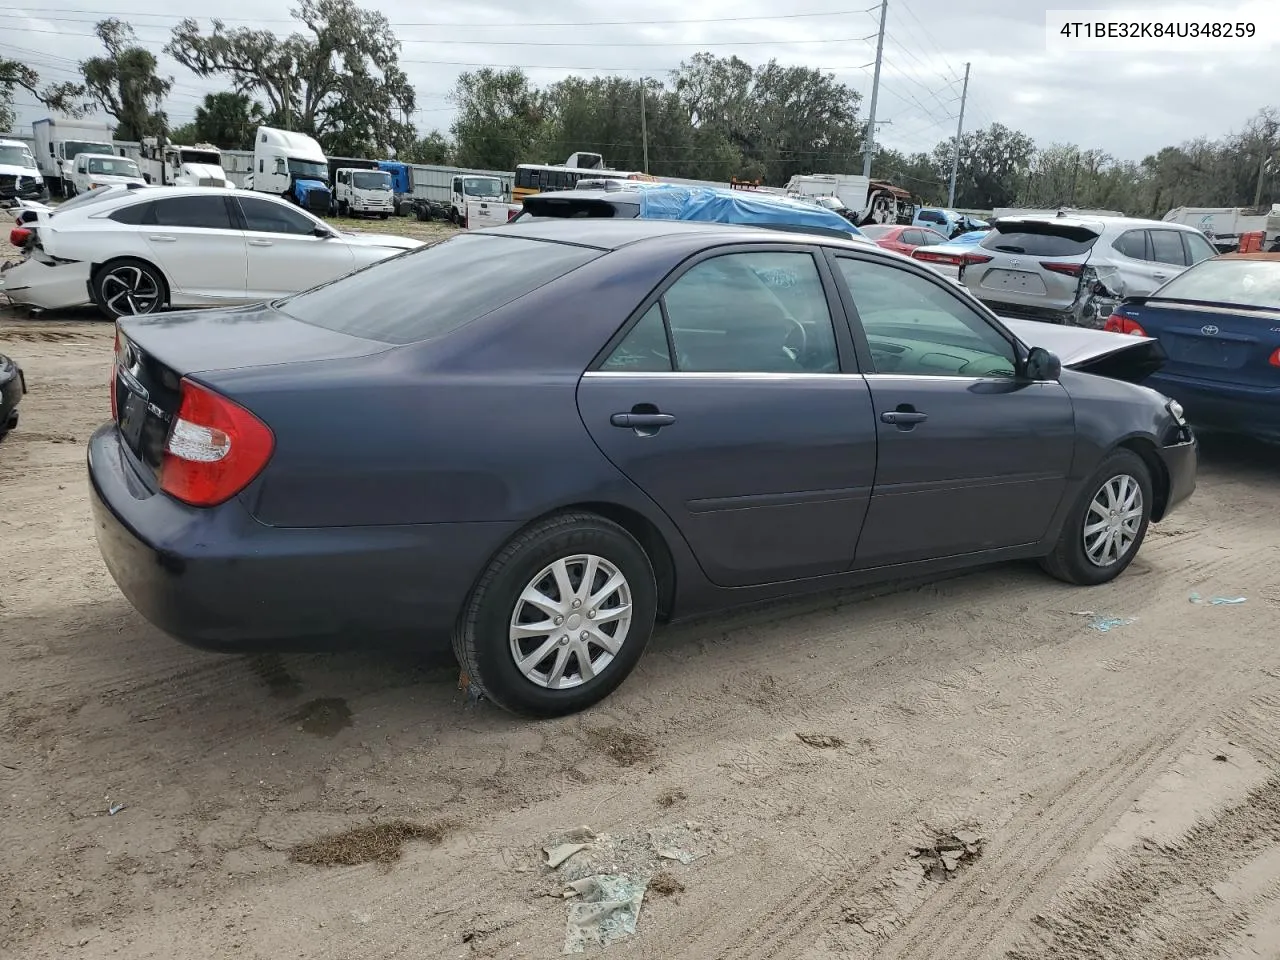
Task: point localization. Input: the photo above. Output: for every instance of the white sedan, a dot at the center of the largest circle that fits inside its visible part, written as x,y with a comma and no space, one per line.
135,251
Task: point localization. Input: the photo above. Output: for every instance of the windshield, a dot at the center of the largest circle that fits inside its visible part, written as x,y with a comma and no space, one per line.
371,180
1245,283
309,169
482,186
73,148
202,156
16,156
114,167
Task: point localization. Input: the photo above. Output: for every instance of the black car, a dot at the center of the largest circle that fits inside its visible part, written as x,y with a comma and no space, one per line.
13,386
540,438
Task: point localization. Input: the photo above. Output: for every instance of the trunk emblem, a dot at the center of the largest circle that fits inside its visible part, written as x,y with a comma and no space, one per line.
1209,330
1015,263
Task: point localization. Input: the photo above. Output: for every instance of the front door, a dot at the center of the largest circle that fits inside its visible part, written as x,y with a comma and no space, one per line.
728,403
285,255
970,458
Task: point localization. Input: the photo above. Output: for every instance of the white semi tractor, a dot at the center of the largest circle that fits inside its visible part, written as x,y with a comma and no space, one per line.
291,165
172,164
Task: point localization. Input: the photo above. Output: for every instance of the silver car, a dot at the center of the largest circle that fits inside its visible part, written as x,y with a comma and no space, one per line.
1074,270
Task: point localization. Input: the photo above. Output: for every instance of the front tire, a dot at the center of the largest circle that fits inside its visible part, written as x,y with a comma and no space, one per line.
343,209
1106,526
128,288
559,618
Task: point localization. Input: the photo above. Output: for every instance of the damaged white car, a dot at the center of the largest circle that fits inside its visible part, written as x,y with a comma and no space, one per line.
136,251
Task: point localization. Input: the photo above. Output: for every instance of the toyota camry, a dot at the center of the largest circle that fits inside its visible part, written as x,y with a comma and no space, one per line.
541,438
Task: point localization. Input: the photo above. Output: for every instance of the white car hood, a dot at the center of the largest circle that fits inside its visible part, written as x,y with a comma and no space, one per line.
203,171
16,171
105,178
381,240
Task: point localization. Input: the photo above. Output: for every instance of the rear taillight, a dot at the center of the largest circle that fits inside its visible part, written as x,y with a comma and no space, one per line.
973,259
1066,269
19,236
1119,323
215,448
512,214
1275,358
115,369
928,257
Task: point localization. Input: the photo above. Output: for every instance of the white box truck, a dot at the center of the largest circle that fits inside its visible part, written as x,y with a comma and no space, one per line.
291,165
59,142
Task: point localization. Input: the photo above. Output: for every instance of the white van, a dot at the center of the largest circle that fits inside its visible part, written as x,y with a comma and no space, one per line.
99,169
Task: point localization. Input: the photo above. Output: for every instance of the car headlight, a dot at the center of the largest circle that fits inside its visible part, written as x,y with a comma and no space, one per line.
1175,411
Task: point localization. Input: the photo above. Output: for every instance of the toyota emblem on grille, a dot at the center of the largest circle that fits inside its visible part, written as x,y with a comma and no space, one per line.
1209,330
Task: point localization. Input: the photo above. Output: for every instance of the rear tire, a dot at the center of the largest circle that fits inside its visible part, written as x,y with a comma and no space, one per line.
1106,526
586,651
128,288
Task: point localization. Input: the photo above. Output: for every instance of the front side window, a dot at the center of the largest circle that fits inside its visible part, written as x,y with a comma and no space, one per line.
916,328
1198,248
1166,247
266,216
752,313
208,213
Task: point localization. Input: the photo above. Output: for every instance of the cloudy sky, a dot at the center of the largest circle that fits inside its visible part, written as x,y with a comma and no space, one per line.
1129,100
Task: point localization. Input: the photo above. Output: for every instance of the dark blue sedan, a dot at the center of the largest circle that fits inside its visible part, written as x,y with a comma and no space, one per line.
543,437
1219,324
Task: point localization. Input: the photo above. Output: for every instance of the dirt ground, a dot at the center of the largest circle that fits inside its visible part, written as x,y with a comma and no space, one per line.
968,769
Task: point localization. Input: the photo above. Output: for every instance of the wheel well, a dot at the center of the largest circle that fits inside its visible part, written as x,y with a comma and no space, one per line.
646,534
1159,475
97,268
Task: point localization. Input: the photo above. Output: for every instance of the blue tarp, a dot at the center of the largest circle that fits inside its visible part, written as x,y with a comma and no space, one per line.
670,201
303,187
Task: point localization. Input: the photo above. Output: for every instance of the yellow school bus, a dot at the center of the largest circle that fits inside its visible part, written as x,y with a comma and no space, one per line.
534,178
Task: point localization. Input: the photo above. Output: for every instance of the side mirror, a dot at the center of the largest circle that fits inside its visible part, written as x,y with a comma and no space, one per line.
1042,365
324,233
146,177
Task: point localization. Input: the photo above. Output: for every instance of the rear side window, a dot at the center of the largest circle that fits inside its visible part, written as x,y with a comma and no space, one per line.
1041,239
431,291
133,214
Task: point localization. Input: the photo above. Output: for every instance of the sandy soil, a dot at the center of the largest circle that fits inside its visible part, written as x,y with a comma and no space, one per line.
1118,792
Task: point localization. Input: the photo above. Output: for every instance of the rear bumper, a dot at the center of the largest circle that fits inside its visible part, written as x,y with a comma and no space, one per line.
48,286
1237,408
219,580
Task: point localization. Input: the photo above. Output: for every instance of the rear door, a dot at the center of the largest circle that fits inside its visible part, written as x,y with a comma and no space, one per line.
198,245
284,253
1031,267
734,402
970,458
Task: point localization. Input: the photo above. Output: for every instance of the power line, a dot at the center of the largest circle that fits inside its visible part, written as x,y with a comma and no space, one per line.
42,15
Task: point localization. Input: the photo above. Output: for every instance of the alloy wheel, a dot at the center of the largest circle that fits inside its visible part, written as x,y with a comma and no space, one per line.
570,622
1113,521
130,290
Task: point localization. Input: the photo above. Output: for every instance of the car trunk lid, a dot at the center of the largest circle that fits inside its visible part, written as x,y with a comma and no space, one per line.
1033,263
1226,344
1102,353
154,354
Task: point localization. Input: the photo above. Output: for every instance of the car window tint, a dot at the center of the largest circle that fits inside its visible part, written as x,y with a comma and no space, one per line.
1132,244
917,328
932,237
209,213
1198,248
644,349
1166,247
263,216
433,290
135,214
752,313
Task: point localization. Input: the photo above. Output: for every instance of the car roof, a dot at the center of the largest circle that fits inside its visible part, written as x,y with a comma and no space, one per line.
611,234
1101,224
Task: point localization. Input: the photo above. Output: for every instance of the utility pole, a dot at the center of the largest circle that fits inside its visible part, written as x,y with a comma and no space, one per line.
870,146
955,154
644,128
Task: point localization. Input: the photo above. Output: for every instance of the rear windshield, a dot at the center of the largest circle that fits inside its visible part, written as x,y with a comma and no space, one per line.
875,232
1037,239
1246,283
554,207
433,290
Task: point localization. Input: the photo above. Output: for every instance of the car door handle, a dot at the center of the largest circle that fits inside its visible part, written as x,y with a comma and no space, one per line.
160,238
259,243
903,417
1160,276
642,421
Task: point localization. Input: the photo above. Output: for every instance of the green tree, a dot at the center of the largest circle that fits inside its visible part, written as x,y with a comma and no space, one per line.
500,119
341,82
125,83
64,98
228,120
434,148
991,162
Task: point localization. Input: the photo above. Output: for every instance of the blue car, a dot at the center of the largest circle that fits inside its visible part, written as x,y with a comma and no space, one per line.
1219,324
